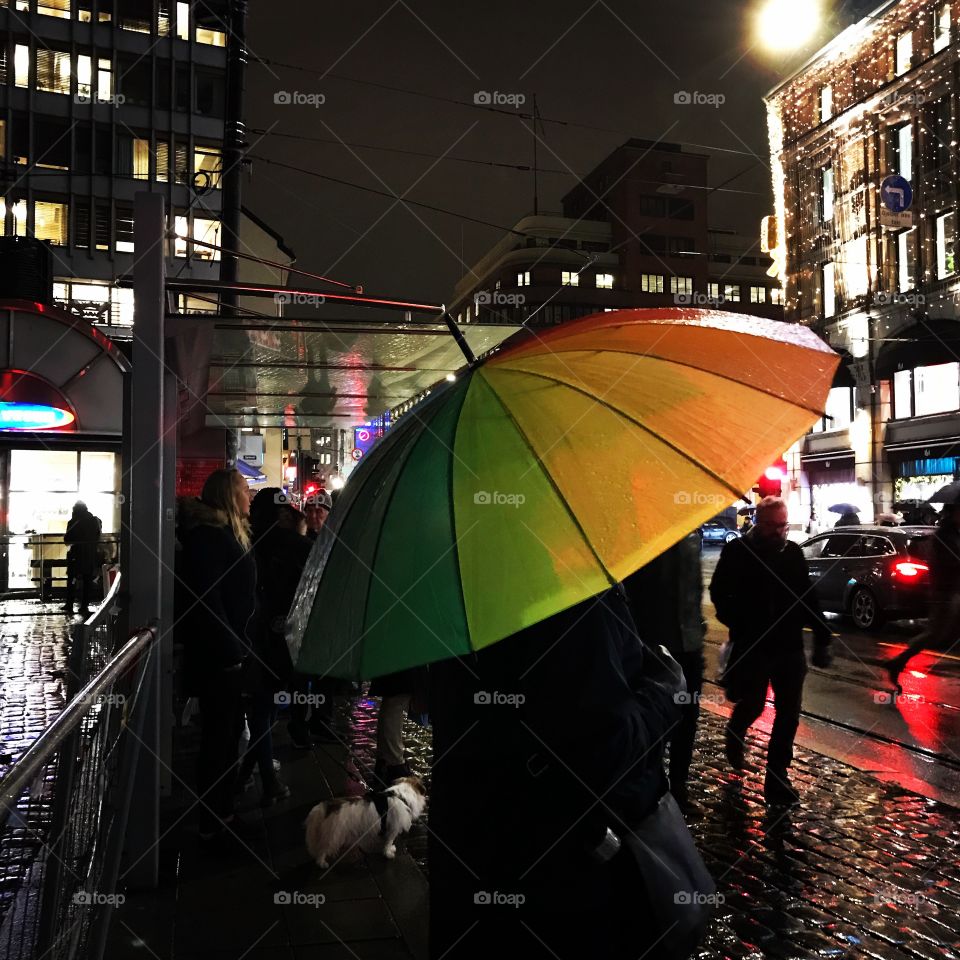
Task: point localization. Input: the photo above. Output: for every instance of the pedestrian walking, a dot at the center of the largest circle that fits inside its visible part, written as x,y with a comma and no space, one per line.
762,593
848,519
396,691
83,557
539,739
666,598
943,626
218,590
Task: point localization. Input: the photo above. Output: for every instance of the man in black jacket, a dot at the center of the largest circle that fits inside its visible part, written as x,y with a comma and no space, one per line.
762,592
83,557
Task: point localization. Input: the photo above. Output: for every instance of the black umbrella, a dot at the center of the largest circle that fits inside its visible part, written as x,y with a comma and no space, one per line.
746,511
948,494
844,508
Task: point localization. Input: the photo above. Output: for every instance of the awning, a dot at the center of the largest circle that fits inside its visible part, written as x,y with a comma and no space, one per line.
925,343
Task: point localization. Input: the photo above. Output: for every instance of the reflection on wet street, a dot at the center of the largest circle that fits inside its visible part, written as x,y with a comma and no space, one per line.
859,868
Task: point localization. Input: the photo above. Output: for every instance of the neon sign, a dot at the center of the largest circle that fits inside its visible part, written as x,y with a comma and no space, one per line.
32,416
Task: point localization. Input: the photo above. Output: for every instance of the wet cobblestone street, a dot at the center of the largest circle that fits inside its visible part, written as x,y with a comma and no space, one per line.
859,869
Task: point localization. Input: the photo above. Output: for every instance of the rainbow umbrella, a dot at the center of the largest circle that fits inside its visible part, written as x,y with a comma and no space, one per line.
545,474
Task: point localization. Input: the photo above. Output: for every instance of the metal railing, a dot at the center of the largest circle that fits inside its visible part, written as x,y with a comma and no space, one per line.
64,804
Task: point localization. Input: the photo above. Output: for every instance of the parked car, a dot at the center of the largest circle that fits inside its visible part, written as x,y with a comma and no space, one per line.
714,532
871,574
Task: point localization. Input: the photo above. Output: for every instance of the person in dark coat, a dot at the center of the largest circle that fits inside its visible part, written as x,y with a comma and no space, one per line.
848,519
762,593
529,734
83,557
666,597
943,626
218,590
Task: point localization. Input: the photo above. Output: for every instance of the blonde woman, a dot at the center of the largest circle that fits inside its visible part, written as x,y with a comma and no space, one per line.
218,581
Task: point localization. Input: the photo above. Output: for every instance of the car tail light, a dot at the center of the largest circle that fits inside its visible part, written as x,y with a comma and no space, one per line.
909,569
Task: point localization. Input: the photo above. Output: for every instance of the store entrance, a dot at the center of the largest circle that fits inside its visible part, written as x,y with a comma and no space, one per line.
38,490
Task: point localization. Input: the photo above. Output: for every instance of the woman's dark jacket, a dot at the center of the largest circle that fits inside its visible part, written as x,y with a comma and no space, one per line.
528,735
83,537
217,596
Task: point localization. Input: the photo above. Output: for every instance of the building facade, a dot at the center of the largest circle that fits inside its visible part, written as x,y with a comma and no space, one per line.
101,99
633,233
880,284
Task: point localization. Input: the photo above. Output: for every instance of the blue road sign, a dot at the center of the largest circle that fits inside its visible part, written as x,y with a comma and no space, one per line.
896,193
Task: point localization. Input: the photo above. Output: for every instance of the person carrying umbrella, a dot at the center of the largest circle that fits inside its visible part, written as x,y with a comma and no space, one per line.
761,590
849,514
943,627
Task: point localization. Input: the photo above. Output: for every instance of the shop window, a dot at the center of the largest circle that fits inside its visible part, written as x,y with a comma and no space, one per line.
903,394
903,53
50,222
941,28
937,388
207,167
946,236
649,282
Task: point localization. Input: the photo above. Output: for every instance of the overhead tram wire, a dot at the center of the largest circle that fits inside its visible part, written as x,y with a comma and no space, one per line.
482,106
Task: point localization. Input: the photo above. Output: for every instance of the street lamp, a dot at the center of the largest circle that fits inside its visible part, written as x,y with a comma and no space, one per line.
784,25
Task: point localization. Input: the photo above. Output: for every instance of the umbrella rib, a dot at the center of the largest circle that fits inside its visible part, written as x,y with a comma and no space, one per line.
546,473
679,363
626,416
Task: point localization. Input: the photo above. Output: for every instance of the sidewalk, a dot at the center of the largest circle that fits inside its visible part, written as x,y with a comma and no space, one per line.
859,869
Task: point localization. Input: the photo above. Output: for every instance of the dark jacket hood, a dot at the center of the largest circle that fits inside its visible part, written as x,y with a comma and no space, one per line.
193,512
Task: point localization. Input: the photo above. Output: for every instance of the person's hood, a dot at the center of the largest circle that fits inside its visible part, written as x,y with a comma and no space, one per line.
193,513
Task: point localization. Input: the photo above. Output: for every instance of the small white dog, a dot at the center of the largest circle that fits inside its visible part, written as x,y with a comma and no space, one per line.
368,823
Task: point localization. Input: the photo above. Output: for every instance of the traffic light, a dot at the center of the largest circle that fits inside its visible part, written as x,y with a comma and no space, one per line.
771,483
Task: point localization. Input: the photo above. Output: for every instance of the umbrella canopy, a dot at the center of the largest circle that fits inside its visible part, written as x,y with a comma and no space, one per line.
543,475
947,494
747,511
844,508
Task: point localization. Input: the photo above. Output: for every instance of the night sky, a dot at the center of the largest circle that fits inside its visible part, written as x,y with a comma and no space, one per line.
612,65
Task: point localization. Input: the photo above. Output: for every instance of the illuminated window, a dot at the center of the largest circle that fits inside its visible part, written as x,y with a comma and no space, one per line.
183,21
3,139
570,278
903,53
104,79
53,70
20,218
941,28
681,285
605,281
50,222
84,77
828,293
758,294
123,225
141,159
207,167
182,229
905,260
826,193
731,291
523,279
121,306
54,8
826,102
469,309
839,408
216,38
902,398
946,239
163,161
903,148
207,231
936,389
776,296
21,65
713,291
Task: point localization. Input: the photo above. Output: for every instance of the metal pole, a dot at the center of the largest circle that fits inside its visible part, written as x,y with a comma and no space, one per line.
145,561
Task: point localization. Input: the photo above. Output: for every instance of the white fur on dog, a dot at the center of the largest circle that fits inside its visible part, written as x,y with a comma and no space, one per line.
341,824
